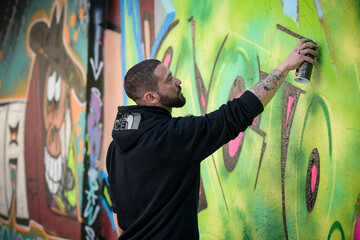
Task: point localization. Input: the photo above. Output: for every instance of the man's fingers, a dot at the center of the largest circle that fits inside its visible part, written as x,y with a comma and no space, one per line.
309,51
310,60
308,45
304,40
301,42
304,47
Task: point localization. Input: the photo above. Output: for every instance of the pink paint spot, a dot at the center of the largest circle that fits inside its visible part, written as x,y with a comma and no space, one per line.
313,177
203,99
167,60
291,99
357,229
234,145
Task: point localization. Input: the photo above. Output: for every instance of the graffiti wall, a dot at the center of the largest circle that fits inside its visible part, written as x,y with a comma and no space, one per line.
293,174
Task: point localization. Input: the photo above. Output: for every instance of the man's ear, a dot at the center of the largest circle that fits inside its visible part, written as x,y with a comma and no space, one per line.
151,98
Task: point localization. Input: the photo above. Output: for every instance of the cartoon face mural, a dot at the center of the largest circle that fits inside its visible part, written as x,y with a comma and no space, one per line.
57,127
57,81
42,188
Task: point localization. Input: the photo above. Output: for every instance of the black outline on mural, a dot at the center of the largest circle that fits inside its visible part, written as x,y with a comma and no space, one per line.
310,195
294,92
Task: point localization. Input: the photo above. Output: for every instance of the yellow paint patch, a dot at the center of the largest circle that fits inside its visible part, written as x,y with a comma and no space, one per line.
350,48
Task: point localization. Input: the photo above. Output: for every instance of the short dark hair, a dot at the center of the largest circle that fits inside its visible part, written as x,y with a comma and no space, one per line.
140,79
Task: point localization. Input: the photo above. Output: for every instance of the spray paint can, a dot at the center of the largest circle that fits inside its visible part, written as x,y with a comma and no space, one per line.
303,72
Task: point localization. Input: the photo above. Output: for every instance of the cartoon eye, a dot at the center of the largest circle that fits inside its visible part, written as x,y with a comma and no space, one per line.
57,89
51,86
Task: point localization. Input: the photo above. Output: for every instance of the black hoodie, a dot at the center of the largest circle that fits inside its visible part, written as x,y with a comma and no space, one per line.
154,160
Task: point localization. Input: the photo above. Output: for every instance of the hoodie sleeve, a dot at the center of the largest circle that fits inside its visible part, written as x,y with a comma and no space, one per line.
201,136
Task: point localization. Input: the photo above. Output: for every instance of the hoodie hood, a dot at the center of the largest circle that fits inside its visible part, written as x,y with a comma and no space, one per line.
132,122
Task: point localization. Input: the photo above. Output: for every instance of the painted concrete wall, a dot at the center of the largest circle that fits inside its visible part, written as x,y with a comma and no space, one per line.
294,174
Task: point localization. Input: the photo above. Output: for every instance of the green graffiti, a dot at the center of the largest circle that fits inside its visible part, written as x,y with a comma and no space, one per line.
107,196
336,226
71,194
215,43
318,100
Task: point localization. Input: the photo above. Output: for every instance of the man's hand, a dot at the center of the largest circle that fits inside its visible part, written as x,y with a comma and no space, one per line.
266,89
297,56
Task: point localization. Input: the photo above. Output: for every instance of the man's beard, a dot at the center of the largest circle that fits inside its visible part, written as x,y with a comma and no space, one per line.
176,102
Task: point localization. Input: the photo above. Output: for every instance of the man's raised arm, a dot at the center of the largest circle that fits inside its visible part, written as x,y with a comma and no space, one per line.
266,89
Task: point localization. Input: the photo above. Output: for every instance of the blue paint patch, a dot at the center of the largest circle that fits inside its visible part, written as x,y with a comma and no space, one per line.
123,55
104,176
108,211
169,7
170,16
133,11
290,8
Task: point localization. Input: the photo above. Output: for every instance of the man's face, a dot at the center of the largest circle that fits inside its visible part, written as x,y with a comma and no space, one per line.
169,89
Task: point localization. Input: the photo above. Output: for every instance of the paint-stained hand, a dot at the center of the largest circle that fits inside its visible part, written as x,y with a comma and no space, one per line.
299,54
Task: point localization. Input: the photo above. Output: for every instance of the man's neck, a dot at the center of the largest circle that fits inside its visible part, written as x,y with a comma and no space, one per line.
169,109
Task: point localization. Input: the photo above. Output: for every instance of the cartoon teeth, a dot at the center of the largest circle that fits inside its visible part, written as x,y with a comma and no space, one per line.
53,90
53,171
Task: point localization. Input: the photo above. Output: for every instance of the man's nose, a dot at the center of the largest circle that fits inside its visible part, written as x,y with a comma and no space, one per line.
177,81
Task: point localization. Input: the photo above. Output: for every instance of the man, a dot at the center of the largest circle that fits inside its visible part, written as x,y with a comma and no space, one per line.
154,160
